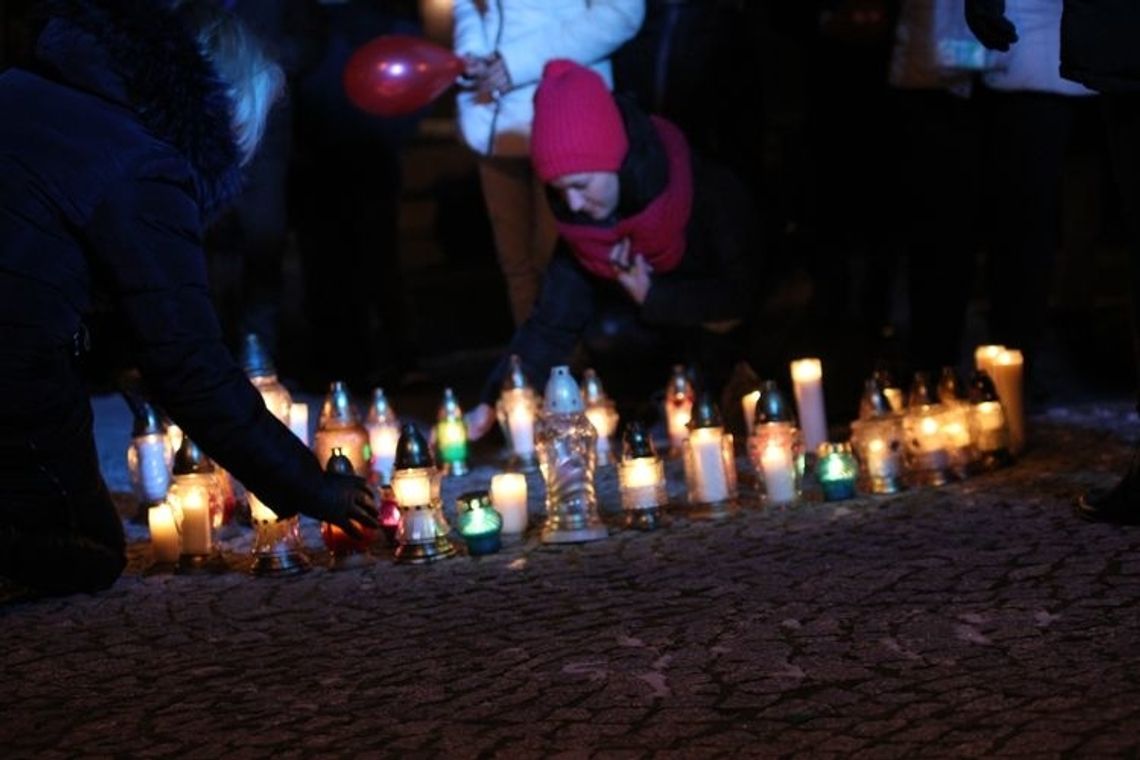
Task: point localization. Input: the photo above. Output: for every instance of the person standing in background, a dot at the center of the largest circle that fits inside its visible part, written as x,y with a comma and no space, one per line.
1098,49
505,44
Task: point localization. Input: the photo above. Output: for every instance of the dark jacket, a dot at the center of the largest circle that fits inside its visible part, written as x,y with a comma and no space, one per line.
1100,44
114,153
713,283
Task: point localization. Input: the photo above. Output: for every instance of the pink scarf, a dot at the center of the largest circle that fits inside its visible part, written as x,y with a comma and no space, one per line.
657,232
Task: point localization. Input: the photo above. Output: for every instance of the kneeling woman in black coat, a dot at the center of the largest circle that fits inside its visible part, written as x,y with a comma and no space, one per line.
116,148
639,214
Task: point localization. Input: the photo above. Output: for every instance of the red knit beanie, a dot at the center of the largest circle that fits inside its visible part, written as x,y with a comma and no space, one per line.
577,126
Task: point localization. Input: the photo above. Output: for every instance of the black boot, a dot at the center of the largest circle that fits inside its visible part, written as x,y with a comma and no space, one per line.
1119,504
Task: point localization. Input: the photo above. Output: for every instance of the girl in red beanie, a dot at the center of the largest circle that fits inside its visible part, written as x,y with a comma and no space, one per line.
641,220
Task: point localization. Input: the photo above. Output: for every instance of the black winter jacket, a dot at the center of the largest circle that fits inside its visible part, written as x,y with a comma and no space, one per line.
113,154
1100,44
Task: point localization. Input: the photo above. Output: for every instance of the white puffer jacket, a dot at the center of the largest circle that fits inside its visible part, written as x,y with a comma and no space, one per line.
527,34
1032,64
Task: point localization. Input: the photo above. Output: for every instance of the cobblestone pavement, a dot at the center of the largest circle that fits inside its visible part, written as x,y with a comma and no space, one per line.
977,619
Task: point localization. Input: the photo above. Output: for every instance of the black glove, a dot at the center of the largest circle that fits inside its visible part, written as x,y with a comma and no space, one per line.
986,19
344,501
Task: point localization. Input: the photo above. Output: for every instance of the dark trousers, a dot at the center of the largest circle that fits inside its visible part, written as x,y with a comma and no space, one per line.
59,531
1122,119
983,173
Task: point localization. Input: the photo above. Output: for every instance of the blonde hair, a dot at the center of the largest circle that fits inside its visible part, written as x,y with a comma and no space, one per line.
252,79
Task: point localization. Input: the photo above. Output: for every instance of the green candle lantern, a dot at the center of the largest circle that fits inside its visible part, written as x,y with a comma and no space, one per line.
836,469
451,435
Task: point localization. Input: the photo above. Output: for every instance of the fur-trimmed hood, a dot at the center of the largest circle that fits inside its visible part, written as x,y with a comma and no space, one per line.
139,53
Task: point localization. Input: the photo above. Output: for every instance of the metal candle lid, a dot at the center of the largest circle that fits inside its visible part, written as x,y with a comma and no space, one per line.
679,383
705,413
592,391
982,387
449,408
339,463
254,358
636,442
949,386
562,395
189,459
412,451
772,406
515,377
337,408
874,402
921,393
147,420
379,410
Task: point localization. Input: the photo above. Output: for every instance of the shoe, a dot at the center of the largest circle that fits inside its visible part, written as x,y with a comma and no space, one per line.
1119,504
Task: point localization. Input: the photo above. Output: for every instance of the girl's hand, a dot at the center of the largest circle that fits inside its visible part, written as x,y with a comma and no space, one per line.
636,279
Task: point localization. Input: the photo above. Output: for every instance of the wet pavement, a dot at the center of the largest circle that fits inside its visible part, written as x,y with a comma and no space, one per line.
976,619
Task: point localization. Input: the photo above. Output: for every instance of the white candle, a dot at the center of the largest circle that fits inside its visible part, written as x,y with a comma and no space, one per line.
984,357
520,422
163,533
807,376
299,421
258,512
383,440
709,475
195,505
748,401
1008,375
640,480
508,497
174,435
154,474
779,474
412,487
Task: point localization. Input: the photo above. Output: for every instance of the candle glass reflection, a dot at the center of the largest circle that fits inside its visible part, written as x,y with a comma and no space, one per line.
277,546
567,455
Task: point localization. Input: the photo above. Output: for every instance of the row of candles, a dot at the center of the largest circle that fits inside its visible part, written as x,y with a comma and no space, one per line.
566,434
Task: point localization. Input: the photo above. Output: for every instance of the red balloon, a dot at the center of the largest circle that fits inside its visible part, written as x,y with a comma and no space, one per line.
395,74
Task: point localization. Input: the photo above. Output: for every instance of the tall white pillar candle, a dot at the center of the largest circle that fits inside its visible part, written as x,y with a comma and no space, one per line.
984,357
1008,376
508,497
807,376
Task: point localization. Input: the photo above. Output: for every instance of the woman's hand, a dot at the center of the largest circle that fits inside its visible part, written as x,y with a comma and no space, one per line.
479,420
636,279
487,75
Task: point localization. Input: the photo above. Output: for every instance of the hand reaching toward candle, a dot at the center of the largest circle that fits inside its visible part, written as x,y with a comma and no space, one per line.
636,279
347,502
479,420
